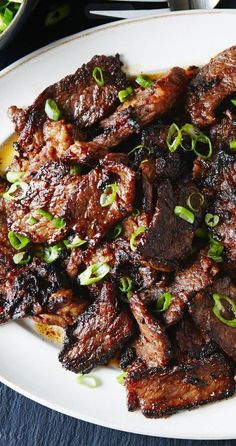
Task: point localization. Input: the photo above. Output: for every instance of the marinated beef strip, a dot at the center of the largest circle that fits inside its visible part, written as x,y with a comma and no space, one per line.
98,334
78,96
214,82
152,344
201,311
224,131
162,393
187,281
168,239
73,198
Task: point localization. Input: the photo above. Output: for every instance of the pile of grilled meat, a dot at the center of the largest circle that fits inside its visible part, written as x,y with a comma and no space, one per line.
118,223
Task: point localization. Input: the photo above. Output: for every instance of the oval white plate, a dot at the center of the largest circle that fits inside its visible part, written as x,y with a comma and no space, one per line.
28,364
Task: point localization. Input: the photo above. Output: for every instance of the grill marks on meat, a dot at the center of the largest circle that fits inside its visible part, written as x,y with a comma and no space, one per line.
168,239
224,131
98,334
74,198
152,344
189,280
203,316
214,82
78,96
184,386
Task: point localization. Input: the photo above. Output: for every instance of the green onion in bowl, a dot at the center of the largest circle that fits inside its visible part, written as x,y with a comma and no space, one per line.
8,10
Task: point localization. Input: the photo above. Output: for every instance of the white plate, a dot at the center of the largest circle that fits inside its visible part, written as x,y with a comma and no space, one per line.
29,364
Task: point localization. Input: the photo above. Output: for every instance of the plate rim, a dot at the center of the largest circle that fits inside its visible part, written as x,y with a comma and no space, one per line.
4,72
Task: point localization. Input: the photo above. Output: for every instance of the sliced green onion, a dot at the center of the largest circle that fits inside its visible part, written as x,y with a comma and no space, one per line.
185,214
75,170
202,233
32,221
98,76
124,94
13,177
197,137
163,302
21,258
59,223
94,273
90,381
109,195
76,242
219,308
232,144
117,230
216,250
51,253
193,198
121,378
139,147
136,212
212,220
126,285
174,138
233,102
133,241
44,214
143,81
17,241
15,187
52,110
57,14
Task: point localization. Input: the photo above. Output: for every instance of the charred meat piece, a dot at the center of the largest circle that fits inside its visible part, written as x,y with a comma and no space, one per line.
214,82
144,106
187,281
162,393
223,132
203,316
98,334
78,97
221,173
168,239
152,344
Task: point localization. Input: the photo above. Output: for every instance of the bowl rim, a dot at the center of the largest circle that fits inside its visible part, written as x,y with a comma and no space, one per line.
15,20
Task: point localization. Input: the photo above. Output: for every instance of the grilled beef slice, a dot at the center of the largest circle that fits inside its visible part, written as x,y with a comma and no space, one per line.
152,344
162,393
78,97
168,240
75,199
98,334
223,132
214,82
201,311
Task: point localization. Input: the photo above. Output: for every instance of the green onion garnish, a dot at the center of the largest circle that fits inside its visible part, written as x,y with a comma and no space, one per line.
133,241
98,76
58,223
143,81
219,308
75,170
126,285
109,195
76,242
185,214
94,273
174,138
16,187
121,378
197,137
6,17
195,201
232,144
32,221
17,241
21,258
136,212
117,230
163,302
212,220
124,94
216,250
202,233
90,381
44,214
13,177
139,147
51,253
57,14
233,102
52,110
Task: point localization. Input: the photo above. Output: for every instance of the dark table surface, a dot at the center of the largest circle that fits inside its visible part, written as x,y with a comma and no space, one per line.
23,422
